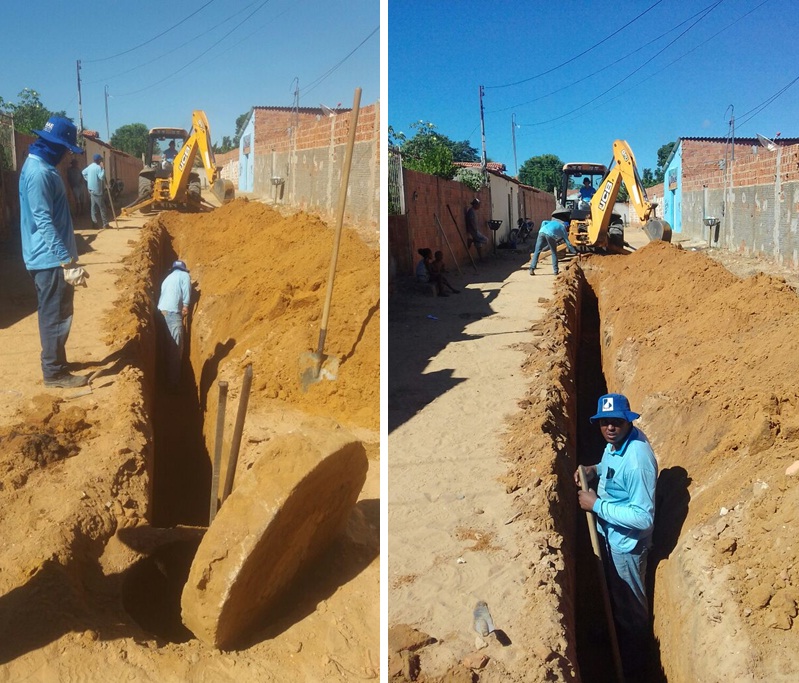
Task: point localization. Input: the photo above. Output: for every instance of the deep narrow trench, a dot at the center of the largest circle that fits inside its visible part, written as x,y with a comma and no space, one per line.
594,652
180,487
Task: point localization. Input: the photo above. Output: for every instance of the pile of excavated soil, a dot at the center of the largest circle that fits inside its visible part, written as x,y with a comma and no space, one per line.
708,360
75,485
266,275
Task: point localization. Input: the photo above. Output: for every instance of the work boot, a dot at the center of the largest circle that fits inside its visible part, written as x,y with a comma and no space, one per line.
532,271
67,381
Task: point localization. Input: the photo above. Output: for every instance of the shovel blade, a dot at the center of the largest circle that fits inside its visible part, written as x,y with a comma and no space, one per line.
315,367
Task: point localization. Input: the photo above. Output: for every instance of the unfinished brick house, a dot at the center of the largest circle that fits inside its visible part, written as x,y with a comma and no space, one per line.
742,197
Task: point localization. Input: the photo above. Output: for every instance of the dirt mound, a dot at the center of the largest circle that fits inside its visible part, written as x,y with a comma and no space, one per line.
268,277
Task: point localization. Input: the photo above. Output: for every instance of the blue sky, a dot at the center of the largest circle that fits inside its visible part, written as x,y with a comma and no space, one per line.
639,84
162,82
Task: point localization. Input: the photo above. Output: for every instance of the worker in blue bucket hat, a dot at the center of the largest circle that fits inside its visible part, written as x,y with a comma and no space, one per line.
624,505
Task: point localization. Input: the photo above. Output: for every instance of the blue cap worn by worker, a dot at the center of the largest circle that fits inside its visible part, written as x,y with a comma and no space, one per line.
614,405
180,265
60,131
97,158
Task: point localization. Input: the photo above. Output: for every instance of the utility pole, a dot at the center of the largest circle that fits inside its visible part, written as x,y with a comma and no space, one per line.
513,132
80,104
107,127
482,132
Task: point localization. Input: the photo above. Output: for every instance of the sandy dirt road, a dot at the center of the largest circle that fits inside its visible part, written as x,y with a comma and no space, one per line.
454,376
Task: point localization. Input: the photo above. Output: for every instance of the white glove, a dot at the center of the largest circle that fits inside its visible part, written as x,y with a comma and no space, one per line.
76,276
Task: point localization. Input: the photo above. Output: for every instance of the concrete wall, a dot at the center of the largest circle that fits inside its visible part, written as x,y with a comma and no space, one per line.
511,201
304,152
759,208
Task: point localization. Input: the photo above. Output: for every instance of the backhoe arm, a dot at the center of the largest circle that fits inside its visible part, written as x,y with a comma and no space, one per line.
603,201
198,142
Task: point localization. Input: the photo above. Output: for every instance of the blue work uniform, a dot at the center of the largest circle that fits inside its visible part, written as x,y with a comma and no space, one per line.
175,294
548,235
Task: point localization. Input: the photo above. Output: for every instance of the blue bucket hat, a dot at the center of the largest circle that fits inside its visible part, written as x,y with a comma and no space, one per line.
614,405
97,157
61,131
179,265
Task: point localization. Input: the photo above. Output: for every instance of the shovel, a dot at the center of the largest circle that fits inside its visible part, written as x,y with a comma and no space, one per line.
311,370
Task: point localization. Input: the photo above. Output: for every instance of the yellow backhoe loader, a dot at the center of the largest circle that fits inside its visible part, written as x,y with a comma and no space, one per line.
168,179
592,225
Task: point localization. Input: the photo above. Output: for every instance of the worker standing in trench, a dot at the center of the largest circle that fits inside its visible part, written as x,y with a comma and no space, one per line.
624,503
174,307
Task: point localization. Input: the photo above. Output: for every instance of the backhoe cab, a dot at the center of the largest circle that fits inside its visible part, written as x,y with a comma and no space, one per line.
593,226
169,179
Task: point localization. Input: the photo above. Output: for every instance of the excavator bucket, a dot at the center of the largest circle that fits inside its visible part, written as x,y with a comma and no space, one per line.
657,230
224,191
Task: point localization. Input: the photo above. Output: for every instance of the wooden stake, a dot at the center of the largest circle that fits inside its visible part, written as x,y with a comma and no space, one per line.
452,253
220,430
614,643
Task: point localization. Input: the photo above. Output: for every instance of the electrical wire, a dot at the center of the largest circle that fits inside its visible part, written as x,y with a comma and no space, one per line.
571,84
584,52
162,56
147,42
318,81
674,61
629,75
760,107
202,54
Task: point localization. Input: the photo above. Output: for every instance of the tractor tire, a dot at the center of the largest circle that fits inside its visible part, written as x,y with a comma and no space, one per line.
145,192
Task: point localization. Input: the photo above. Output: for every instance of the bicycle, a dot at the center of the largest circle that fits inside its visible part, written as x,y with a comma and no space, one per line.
522,231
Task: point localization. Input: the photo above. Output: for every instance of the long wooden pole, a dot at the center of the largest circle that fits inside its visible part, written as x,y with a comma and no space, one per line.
465,246
342,200
449,246
220,430
238,430
614,643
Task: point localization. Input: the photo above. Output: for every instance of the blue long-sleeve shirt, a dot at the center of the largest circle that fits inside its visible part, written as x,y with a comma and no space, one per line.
94,175
48,238
175,292
555,229
626,502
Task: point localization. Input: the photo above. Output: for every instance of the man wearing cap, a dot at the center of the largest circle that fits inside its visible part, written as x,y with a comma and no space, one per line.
174,306
475,236
624,504
548,235
94,174
48,245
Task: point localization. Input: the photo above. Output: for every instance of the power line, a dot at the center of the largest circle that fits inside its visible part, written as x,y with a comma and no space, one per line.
760,107
629,75
584,52
160,57
147,42
674,61
571,84
318,81
202,54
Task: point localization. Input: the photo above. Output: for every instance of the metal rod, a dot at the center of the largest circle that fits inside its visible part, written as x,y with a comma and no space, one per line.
233,459
220,430
592,532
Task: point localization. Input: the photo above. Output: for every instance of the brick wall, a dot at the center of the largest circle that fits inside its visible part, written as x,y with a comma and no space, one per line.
760,212
306,151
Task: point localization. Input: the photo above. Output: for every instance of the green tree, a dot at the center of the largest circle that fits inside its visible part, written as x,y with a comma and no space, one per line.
29,113
647,179
426,137
131,138
543,172
663,155
225,146
427,151
241,122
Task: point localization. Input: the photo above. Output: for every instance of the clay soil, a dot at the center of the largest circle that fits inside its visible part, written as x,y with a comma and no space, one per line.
105,496
707,356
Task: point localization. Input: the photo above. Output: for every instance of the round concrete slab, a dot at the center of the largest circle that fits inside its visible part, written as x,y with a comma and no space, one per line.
281,515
